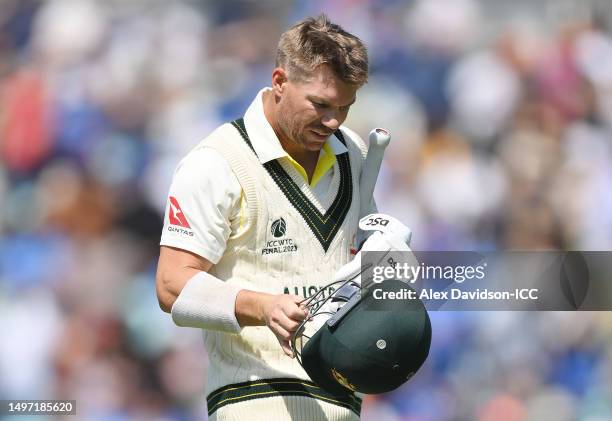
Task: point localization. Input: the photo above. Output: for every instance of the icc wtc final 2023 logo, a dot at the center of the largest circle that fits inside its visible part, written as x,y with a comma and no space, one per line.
279,245
279,227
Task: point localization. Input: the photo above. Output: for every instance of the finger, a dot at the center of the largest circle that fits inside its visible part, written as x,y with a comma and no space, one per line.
281,333
284,339
283,319
288,324
286,345
295,312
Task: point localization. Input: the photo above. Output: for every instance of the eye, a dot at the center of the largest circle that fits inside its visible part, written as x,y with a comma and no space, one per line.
319,104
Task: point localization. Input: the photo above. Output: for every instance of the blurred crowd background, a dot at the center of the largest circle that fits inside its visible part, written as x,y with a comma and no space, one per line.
501,115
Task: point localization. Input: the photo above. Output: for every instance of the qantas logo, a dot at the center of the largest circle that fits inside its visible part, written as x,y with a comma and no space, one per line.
176,215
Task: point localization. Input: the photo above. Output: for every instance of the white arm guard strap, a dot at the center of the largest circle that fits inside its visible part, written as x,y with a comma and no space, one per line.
207,302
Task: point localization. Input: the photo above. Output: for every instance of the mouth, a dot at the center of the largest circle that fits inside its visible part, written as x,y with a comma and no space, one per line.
321,135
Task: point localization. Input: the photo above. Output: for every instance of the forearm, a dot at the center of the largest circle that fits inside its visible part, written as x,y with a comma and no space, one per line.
170,285
207,302
250,307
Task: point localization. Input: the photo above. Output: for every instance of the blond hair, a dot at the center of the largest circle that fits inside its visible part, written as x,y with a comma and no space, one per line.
316,41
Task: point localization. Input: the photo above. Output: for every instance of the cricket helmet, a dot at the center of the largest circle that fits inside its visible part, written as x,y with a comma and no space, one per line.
363,344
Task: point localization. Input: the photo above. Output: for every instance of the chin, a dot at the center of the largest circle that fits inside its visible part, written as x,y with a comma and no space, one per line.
315,145
315,142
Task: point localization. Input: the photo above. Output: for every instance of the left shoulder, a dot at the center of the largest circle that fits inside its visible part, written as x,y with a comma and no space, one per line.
354,142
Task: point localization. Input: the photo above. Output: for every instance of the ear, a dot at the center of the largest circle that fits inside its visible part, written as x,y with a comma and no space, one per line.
279,79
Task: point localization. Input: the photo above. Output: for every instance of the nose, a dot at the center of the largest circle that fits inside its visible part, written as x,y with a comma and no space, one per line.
331,120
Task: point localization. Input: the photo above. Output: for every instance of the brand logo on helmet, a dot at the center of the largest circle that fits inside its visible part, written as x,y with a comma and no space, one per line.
279,227
342,380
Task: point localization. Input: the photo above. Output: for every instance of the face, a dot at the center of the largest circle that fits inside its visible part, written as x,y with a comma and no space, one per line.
309,111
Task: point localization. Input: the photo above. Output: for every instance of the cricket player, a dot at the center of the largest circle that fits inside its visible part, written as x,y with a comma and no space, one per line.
262,213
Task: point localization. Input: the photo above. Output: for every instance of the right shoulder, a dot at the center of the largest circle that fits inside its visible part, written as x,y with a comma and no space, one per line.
202,161
205,154
221,134
205,159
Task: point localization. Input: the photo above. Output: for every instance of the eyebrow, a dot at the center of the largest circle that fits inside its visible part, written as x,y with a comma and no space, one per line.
323,101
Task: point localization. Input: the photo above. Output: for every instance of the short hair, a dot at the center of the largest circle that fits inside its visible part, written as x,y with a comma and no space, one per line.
316,41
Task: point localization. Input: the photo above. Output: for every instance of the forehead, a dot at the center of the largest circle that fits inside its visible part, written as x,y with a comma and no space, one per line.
324,84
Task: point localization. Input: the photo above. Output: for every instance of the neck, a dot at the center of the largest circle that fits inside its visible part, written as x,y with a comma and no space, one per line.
271,113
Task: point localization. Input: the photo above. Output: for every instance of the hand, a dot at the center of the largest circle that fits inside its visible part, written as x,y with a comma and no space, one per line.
283,314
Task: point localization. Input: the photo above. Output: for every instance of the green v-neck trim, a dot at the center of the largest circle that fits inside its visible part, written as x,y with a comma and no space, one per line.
323,226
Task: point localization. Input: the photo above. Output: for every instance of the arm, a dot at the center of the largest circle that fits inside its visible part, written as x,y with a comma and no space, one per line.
174,269
281,313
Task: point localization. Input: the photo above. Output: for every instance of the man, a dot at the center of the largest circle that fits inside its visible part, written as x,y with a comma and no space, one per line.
262,213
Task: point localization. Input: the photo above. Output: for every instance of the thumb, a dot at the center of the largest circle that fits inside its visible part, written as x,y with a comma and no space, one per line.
296,298
299,301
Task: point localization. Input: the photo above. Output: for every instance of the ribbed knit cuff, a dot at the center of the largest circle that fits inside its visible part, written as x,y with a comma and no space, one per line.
207,302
